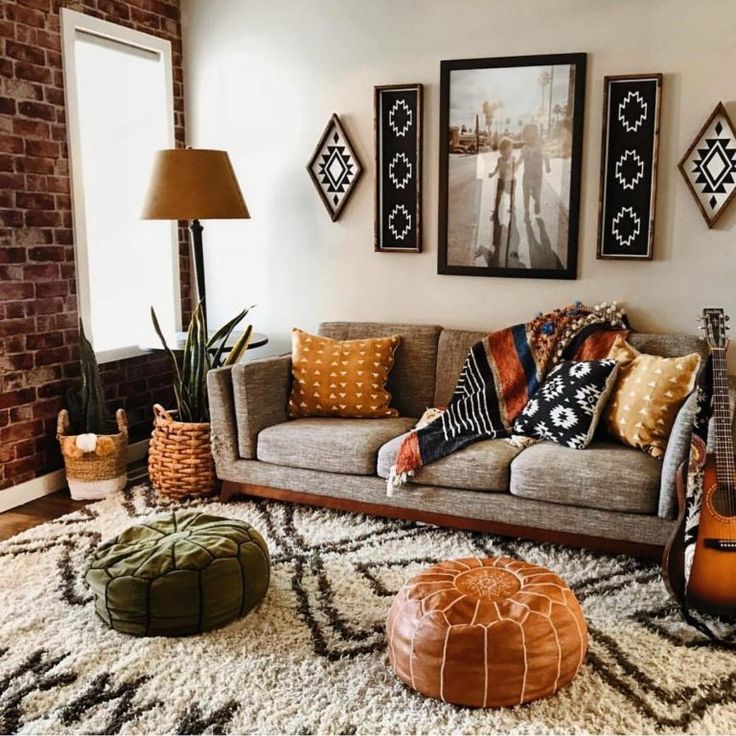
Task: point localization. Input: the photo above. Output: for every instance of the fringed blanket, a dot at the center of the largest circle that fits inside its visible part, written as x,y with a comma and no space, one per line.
500,375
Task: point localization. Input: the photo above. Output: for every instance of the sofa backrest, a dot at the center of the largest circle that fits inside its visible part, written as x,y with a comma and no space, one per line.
454,346
411,381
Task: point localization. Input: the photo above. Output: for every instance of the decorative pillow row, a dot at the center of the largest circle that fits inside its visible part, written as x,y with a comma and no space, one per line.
646,392
341,378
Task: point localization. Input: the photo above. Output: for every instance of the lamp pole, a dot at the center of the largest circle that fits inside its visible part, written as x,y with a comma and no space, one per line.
198,254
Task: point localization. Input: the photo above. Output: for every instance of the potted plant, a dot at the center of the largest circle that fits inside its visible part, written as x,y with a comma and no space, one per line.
95,456
180,459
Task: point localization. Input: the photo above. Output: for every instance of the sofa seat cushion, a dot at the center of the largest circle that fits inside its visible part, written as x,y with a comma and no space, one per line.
603,476
482,466
331,444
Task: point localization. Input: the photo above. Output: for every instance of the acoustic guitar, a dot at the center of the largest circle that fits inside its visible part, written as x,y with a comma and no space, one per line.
712,584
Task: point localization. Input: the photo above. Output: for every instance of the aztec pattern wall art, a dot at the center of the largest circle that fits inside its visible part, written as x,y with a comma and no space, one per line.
631,107
398,124
709,166
334,167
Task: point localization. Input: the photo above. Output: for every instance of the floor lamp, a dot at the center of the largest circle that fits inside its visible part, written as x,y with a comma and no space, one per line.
194,184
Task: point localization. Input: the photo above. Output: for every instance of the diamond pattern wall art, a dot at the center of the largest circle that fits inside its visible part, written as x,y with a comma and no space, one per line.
334,167
398,123
709,166
631,106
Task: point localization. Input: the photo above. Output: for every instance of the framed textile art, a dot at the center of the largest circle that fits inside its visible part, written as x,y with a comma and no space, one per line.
631,108
511,135
709,166
398,129
334,167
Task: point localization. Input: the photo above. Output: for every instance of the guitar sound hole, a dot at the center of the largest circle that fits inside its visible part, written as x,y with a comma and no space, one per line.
723,502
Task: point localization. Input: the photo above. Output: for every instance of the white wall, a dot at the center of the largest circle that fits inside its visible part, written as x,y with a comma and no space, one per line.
262,79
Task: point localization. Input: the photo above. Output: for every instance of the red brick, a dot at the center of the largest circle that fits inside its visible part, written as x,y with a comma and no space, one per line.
11,218
21,413
16,290
18,468
48,408
40,110
36,165
43,149
30,129
37,271
33,73
46,253
10,144
16,398
25,449
22,431
24,52
44,340
7,106
12,255
26,16
34,201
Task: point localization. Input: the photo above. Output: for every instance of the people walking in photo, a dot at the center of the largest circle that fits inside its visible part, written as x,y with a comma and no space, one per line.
535,161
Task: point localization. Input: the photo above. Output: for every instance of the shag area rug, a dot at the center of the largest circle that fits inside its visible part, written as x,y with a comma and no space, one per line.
312,658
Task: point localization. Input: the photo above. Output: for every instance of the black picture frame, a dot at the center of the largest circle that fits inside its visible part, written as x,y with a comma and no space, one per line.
629,161
402,195
570,123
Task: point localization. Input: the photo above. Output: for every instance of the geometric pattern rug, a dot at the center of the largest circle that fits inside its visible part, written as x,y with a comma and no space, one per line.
312,659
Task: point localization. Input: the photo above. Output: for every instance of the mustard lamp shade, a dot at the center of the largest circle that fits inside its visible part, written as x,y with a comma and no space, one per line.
193,184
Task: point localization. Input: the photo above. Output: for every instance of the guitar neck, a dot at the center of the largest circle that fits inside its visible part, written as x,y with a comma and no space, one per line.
723,435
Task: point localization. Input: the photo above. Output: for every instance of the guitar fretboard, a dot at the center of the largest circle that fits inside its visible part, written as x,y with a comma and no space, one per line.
722,432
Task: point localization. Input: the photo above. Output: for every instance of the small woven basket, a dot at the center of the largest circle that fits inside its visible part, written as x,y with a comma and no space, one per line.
95,474
180,459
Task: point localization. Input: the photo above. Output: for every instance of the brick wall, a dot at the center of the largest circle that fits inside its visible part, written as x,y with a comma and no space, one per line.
38,306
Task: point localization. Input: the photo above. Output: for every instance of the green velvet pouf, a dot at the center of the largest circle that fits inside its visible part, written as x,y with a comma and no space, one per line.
179,574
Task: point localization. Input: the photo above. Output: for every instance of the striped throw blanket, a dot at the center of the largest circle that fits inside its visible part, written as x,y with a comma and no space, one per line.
500,375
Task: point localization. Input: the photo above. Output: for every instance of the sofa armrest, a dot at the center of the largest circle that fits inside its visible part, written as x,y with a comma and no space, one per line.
677,452
224,431
260,393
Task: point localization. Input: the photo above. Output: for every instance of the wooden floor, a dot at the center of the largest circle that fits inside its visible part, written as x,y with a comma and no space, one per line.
37,512
54,505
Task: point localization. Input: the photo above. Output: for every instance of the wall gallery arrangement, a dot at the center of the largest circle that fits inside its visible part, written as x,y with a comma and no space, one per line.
398,132
510,166
709,166
334,167
631,106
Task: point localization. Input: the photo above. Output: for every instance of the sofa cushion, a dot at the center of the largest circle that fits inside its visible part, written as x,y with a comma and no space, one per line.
482,466
334,445
603,476
411,381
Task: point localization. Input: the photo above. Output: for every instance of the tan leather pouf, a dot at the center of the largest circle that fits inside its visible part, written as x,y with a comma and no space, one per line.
486,632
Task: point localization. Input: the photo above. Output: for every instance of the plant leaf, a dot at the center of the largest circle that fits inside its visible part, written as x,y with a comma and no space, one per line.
240,346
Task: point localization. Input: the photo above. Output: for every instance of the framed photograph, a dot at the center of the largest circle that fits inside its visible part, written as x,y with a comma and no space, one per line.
628,193
709,166
398,128
334,167
510,160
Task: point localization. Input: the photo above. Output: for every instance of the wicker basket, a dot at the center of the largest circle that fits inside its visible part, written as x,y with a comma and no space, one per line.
180,459
95,473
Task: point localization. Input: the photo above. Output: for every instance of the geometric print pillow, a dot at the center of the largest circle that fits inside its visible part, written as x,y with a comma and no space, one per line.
567,406
648,394
341,378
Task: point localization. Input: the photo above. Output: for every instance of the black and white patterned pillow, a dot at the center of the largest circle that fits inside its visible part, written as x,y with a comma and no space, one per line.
567,406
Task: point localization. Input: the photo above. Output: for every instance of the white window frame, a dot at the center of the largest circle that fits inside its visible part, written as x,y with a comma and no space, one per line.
74,23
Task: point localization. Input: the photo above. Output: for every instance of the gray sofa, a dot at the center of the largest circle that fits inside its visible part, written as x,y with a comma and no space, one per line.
607,496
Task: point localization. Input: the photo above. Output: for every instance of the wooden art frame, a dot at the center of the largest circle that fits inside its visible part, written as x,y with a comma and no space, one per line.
398,126
629,161
334,167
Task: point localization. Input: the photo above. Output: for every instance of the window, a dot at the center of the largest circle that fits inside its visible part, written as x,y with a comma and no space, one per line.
119,92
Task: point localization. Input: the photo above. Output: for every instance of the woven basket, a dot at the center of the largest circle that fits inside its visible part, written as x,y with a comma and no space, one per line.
180,459
96,474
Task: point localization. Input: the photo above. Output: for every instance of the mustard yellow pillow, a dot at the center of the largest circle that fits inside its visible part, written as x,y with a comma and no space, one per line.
649,392
341,378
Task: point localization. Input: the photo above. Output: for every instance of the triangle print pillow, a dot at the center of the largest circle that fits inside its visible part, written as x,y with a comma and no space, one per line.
567,406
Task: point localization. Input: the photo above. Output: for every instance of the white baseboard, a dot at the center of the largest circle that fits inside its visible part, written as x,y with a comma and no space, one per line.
53,482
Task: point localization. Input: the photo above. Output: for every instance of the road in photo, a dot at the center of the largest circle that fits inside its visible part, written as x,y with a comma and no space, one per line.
511,237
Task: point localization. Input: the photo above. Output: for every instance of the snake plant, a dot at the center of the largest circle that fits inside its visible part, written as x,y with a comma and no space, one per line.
200,355
86,405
